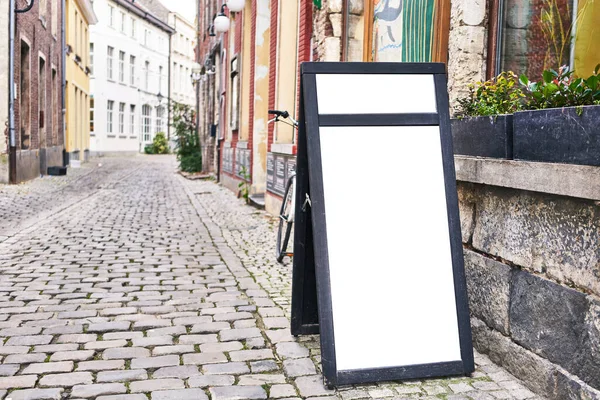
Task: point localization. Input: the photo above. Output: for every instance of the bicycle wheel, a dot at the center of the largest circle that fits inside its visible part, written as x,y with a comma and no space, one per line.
285,222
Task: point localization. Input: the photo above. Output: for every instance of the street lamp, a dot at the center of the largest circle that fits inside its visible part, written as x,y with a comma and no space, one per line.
221,23
160,98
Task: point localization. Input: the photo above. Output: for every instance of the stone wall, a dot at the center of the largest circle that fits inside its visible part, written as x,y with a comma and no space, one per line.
467,46
531,233
327,31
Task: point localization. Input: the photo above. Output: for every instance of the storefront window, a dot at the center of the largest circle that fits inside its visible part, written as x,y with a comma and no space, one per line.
407,30
540,34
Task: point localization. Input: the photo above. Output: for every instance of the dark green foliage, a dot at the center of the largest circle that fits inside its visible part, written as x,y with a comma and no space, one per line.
188,149
501,95
562,89
244,185
159,145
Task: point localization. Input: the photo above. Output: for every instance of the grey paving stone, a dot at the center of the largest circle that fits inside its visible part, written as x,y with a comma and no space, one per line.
70,379
181,394
48,368
261,379
105,344
251,355
312,386
53,348
221,347
109,326
176,349
239,334
21,381
231,368
204,381
28,340
291,350
101,365
299,367
9,369
198,339
125,352
181,372
77,355
204,358
25,358
152,341
156,384
238,393
137,396
122,376
154,362
77,338
213,327
86,391
37,394
279,391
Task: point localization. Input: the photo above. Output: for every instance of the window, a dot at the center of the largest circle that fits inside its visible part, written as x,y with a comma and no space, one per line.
122,22
92,58
121,118
133,27
54,17
234,115
91,116
109,62
160,113
122,66
76,36
56,88
160,78
181,78
80,46
146,111
111,16
132,120
109,116
539,35
132,70
25,97
43,110
175,77
408,31
43,7
147,38
146,74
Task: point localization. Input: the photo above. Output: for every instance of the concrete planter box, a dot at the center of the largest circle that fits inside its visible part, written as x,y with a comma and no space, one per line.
558,135
483,136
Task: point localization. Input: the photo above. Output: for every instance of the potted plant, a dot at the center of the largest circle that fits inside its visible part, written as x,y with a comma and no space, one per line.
563,121
483,124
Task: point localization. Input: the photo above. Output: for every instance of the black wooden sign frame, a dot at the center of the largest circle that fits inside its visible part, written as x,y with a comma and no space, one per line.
311,288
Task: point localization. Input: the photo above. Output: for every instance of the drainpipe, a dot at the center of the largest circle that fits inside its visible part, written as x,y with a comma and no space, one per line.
64,79
169,84
12,145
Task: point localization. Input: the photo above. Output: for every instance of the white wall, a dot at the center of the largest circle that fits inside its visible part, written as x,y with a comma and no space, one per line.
103,89
183,43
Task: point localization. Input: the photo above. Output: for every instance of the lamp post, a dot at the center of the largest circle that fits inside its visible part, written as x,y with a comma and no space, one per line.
221,23
196,76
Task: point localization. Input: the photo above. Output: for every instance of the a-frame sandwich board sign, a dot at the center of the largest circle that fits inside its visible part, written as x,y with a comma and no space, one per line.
378,262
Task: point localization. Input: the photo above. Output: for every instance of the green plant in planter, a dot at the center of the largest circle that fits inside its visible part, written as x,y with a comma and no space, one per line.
501,95
562,89
188,149
160,144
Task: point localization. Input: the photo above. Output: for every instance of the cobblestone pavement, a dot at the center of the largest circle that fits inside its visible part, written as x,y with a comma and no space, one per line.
134,283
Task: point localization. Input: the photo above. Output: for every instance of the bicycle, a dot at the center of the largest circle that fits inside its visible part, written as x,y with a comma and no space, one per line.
288,206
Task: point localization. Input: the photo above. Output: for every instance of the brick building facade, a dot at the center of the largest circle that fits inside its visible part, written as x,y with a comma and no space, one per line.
38,63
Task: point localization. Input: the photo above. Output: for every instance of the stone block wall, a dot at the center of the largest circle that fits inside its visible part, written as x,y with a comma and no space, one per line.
532,259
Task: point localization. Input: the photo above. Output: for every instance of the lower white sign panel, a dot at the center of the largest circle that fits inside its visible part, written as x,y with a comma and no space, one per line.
392,285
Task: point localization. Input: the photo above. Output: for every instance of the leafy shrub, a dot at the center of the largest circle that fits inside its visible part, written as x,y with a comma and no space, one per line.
561,89
188,148
149,149
160,144
501,95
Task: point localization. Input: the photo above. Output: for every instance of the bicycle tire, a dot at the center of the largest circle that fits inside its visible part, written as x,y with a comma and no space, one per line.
285,227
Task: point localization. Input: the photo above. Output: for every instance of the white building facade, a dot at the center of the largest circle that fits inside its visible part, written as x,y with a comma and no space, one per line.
183,44
130,55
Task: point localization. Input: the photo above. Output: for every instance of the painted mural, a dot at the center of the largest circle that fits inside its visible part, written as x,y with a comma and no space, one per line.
403,30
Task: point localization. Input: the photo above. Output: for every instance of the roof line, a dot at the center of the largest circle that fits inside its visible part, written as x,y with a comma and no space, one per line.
146,15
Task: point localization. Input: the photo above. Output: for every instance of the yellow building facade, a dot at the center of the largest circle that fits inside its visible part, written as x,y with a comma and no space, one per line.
80,15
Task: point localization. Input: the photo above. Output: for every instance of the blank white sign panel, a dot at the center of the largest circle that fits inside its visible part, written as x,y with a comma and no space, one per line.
375,94
390,264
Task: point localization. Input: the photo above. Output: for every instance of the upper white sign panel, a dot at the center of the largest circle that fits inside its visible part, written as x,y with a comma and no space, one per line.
375,94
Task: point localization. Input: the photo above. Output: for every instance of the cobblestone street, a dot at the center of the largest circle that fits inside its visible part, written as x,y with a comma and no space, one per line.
126,281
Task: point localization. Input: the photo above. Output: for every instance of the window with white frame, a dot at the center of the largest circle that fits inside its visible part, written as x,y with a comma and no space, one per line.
160,114
160,78
146,74
175,77
122,66
109,116
147,38
133,32
92,58
146,115
109,62
132,120
121,118
122,22
111,16
132,70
